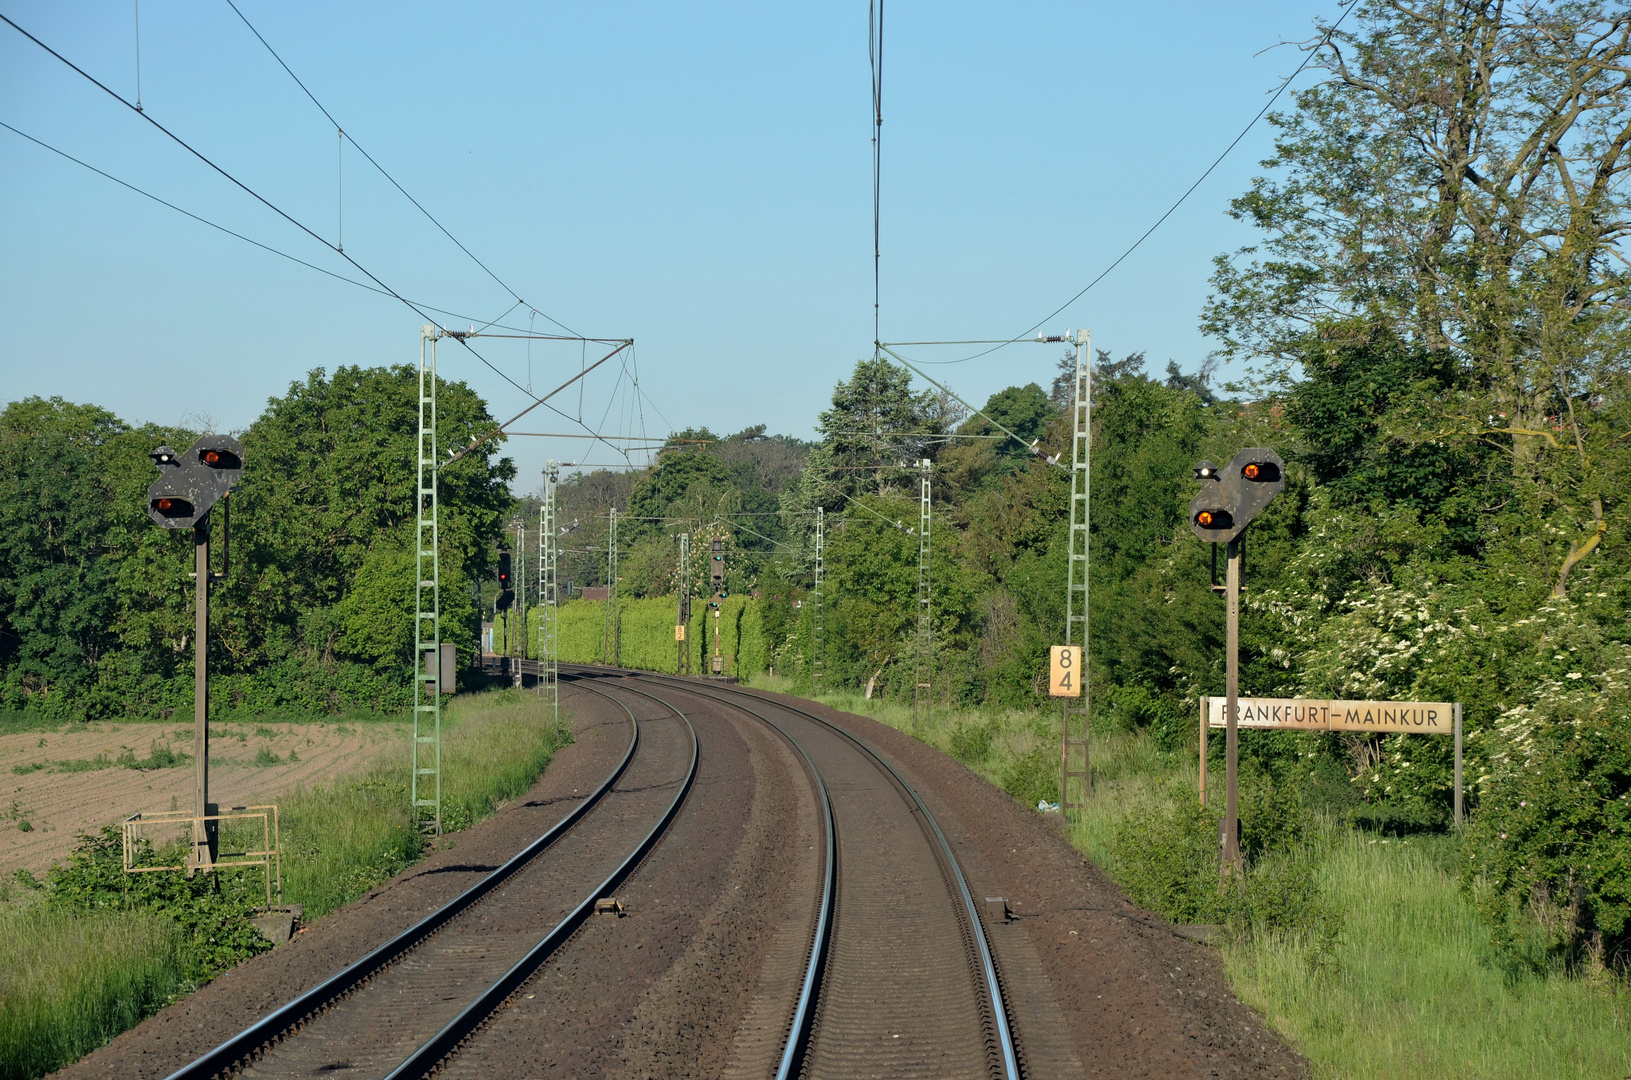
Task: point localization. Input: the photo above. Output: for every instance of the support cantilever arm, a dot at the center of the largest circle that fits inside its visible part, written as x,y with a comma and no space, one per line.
978,412
499,430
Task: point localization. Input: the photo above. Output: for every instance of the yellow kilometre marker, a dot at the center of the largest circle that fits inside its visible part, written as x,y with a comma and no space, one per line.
1064,671
679,631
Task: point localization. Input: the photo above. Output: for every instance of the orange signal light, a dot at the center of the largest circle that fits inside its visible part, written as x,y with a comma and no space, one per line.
164,505
1251,471
211,456
1204,517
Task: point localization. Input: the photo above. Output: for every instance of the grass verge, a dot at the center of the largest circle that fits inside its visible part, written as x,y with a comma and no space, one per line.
94,951
1360,947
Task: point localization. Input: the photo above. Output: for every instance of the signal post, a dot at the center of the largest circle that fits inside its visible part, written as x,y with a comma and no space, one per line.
1230,497
188,487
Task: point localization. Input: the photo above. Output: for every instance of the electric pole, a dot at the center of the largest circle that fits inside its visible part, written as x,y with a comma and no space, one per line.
924,669
1076,783
682,626
425,771
612,642
818,639
716,579
548,626
518,635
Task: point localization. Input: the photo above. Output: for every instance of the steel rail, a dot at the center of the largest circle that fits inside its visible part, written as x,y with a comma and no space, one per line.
269,1029
993,984
804,1009
429,1056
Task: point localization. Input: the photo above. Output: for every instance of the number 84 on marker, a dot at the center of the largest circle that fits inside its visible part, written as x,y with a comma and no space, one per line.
1064,671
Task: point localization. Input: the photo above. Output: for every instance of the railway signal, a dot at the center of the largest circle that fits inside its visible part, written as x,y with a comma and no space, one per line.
1230,497
506,595
188,487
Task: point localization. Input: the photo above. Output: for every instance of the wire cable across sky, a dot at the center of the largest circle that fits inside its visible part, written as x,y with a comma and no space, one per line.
1136,244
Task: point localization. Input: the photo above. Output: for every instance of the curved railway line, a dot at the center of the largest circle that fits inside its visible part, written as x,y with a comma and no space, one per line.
900,979
406,1006
897,977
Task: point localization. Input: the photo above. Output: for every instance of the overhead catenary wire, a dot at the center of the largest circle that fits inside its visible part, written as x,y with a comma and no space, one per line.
275,209
1136,244
42,144
874,30
346,136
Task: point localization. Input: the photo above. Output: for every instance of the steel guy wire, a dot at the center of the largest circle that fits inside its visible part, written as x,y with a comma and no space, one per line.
416,309
345,135
1023,335
42,144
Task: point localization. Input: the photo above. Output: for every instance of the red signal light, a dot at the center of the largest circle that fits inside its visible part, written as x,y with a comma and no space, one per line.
211,456
171,507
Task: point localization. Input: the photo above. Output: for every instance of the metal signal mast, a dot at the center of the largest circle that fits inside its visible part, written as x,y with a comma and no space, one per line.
425,782
1076,783
548,683
818,636
922,688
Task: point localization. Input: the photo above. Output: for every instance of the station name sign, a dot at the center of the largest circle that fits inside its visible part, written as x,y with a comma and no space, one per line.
1313,714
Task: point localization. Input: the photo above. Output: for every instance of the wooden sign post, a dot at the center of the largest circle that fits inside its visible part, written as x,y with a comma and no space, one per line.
1321,714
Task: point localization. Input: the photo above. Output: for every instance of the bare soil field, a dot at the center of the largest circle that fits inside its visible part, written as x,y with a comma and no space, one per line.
75,779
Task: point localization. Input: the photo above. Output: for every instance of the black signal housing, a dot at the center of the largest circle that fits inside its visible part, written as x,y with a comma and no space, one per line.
1234,494
190,484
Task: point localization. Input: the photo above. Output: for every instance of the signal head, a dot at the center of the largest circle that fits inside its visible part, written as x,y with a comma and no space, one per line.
190,484
171,507
1261,472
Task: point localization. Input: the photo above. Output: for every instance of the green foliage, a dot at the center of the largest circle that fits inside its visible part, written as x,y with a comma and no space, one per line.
209,909
95,605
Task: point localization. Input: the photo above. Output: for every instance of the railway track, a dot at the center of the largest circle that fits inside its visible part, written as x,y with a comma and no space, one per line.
404,1008
897,979
900,979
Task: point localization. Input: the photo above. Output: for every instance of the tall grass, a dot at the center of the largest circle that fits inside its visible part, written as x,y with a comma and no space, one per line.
69,981
76,968
1415,988
1410,986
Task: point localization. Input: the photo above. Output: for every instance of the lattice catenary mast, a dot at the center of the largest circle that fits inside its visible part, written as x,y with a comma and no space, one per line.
1077,779
612,642
922,689
548,684
818,636
516,639
425,782
682,635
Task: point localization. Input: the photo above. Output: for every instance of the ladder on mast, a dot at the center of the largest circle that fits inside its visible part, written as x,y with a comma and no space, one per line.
1076,783
425,781
548,684
924,671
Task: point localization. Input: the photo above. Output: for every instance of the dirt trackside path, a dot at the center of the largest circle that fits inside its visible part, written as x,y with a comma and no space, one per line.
1137,999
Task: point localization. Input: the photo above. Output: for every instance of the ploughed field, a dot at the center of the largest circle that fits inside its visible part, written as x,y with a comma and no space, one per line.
61,782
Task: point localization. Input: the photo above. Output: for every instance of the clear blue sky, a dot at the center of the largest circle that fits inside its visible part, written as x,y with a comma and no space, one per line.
696,177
